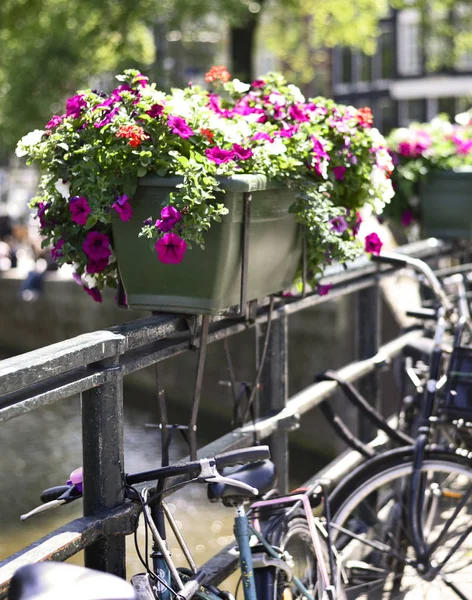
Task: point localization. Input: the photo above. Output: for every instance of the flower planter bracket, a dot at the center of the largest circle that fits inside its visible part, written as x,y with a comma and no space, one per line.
243,305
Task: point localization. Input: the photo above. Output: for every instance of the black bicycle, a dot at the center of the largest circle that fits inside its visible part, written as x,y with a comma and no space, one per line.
402,521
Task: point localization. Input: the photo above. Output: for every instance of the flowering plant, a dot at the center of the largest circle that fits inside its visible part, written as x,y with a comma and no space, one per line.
93,156
422,148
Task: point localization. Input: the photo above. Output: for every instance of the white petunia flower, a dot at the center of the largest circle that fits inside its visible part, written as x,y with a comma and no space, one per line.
298,96
464,118
179,105
63,188
30,139
89,280
241,87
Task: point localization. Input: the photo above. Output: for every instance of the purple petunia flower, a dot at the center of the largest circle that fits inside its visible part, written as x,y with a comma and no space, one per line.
79,209
56,249
94,293
324,289
75,105
219,155
108,118
155,111
169,217
42,208
339,224
258,83
407,217
96,246
339,172
171,249
55,121
96,266
123,207
179,127
77,278
242,153
373,244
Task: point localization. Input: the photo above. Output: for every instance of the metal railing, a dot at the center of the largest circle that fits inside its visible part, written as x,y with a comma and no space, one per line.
94,365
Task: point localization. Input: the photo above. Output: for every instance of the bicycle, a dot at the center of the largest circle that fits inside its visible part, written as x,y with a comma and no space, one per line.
401,520
290,554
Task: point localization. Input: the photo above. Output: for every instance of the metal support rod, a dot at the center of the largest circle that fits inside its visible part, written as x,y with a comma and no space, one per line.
243,307
275,394
198,387
304,260
102,439
368,342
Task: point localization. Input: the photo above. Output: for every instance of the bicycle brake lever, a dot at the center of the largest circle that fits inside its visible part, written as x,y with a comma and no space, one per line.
42,508
209,474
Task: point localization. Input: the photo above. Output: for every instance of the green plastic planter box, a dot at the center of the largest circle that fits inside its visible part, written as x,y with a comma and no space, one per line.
209,281
446,204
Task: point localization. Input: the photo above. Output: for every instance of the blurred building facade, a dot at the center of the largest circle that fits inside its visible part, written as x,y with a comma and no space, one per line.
408,78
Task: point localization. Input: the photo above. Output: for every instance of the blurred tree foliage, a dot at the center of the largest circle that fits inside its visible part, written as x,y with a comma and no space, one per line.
50,48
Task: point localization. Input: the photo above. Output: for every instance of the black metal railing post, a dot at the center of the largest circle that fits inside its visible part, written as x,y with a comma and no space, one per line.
275,394
368,343
102,438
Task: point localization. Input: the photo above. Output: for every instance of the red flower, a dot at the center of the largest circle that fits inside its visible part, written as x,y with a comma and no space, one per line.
208,134
365,117
219,73
133,133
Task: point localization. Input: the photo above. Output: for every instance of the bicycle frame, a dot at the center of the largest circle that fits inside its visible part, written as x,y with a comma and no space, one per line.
244,528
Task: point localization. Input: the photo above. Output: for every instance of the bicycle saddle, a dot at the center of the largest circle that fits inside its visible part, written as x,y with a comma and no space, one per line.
260,475
56,581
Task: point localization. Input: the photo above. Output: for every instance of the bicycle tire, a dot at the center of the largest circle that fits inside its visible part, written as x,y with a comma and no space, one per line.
292,536
371,504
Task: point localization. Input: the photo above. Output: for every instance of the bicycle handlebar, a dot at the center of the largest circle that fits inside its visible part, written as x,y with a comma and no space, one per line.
402,260
226,459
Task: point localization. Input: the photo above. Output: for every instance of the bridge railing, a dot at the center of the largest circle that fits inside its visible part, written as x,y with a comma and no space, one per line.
94,365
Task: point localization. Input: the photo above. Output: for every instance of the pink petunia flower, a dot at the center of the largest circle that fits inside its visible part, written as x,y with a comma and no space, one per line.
242,153
297,113
56,251
79,209
258,83
96,266
155,111
357,226
171,249
324,289
169,217
219,155
179,127
339,172
262,135
55,121
75,105
96,245
373,244
123,207
94,293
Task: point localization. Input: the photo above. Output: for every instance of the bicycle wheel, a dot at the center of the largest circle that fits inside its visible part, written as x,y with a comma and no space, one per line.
292,537
370,528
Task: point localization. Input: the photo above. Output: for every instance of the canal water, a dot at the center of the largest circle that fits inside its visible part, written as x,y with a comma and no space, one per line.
40,450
